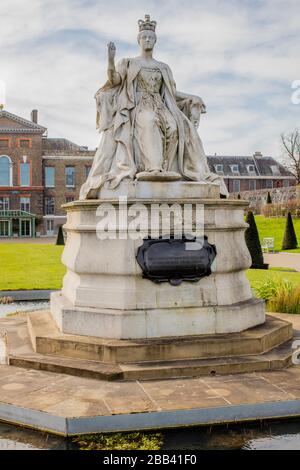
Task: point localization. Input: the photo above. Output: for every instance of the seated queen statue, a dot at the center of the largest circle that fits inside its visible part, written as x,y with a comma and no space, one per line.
149,129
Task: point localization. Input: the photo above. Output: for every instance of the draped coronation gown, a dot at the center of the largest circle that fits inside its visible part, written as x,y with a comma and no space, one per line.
144,129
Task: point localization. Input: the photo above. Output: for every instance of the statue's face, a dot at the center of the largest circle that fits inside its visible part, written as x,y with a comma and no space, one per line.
146,40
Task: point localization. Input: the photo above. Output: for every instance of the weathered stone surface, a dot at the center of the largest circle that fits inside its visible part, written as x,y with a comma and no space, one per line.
38,344
68,404
157,322
46,339
104,293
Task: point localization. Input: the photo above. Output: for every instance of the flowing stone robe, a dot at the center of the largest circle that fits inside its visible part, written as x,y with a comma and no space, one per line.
124,135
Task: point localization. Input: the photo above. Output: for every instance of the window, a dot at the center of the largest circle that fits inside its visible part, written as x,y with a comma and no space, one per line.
252,185
251,169
49,177
25,228
286,183
24,174
275,170
50,226
269,184
24,143
4,143
236,186
49,205
219,168
25,204
70,176
69,199
87,171
235,168
5,171
5,228
4,203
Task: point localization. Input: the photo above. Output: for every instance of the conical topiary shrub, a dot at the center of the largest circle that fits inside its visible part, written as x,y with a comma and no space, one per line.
290,239
269,199
60,236
253,243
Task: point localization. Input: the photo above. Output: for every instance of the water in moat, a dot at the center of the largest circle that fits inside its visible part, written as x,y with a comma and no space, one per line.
25,306
267,436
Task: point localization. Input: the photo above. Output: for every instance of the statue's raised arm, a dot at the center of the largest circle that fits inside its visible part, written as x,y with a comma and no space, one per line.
149,129
113,76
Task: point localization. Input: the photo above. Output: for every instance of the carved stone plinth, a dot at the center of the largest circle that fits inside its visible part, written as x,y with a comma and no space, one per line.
105,295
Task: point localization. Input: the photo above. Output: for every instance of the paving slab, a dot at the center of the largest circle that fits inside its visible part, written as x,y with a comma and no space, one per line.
70,405
283,260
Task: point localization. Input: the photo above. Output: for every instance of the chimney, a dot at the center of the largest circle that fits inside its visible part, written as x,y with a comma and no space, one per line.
258,154
34,116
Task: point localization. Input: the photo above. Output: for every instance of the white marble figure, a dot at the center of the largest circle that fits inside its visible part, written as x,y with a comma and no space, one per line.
149,129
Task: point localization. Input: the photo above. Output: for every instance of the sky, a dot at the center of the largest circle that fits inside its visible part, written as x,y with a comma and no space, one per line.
240,56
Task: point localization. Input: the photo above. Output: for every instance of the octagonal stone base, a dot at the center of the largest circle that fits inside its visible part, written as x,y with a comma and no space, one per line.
156,323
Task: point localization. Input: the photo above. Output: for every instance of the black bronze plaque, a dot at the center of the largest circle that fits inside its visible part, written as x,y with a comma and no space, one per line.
175,260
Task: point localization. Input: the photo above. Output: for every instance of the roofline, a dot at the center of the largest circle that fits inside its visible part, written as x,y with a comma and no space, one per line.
68,157
22,131
255,177
242,157
21,120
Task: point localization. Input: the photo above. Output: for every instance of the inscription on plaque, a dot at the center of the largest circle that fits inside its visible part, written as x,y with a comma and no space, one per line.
174,261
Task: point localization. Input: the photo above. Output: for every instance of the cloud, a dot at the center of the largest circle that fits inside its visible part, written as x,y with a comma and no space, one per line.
240,56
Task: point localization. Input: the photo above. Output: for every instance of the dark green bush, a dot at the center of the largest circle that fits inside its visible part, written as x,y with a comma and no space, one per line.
290,239
60,236
253,243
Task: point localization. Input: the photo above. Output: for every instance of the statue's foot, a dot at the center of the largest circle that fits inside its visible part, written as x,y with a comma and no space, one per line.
158,176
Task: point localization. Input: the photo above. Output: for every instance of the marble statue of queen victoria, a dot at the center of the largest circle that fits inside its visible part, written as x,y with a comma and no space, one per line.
149,129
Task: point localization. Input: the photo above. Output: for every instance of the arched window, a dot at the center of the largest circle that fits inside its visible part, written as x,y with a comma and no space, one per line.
5,171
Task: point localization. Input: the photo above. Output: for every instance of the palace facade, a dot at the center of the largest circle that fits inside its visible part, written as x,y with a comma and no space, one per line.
251,173
39,174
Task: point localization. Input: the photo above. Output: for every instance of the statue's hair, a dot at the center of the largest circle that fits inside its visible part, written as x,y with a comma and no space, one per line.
141,32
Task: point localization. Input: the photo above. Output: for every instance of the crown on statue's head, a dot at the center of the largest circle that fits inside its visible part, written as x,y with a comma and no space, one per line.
147,24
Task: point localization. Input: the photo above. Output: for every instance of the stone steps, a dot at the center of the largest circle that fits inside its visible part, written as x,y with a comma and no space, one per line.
47,340
263,348
278,358
63,365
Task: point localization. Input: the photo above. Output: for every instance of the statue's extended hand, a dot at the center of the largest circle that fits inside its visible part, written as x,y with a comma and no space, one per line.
111,50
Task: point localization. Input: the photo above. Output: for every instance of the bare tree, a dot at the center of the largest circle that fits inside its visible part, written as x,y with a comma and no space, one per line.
291,147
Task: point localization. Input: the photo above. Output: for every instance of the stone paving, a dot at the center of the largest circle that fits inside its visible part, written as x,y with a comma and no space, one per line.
145,404
283,260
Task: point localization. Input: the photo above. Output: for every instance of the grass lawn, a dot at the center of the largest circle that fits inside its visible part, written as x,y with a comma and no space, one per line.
33,266
256,276
30,266
274,227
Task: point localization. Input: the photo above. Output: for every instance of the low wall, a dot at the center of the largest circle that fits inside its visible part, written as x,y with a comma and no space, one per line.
258,198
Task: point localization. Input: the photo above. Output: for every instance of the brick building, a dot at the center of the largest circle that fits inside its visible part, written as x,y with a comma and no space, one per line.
65,168
39,174
250,173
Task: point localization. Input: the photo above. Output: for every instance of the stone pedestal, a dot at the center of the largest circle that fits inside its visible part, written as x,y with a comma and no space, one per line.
110,323
105,295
